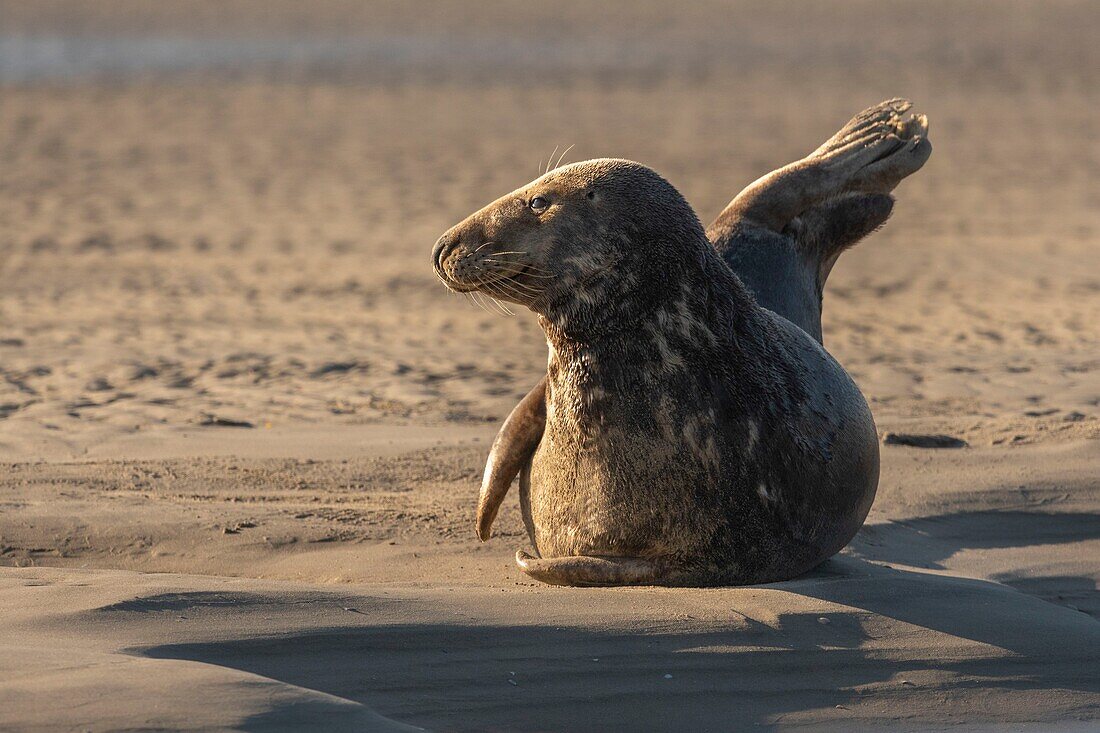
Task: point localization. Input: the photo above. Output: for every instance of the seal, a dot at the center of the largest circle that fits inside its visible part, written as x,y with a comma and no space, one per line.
685,435
785,266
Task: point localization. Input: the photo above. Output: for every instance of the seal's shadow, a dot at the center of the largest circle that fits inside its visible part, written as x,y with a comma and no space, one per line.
713,676
688,675
926,542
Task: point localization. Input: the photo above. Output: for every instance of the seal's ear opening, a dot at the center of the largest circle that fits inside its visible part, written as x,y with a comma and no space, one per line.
591,195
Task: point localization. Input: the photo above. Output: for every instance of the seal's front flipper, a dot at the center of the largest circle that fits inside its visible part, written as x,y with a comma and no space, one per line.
592,570
515,443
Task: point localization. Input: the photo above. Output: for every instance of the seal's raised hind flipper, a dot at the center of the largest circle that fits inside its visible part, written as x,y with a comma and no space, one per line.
784,232
855,158
587,570
515,443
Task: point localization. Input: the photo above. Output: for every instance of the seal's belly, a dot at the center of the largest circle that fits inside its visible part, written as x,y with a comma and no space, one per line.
632,500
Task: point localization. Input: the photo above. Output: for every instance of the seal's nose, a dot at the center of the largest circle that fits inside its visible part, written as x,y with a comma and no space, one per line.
442,248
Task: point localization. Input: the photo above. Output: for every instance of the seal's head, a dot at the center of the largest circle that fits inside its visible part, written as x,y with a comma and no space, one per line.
582,239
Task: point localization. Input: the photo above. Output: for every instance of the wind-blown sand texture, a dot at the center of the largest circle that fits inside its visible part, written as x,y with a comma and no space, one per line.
226,361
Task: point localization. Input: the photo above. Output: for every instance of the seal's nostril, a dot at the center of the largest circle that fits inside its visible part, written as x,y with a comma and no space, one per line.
442,248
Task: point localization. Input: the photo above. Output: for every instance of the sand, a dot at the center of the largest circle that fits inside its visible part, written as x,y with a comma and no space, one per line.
242,425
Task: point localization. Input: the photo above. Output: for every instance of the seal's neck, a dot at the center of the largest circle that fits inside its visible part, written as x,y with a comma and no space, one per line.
692,317
597,327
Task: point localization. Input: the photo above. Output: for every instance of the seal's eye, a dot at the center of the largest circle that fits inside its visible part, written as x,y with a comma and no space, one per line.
539,204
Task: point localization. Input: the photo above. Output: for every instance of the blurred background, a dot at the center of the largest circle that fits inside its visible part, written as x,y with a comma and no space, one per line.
221,212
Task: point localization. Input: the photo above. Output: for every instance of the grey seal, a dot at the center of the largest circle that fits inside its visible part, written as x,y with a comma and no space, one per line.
691,429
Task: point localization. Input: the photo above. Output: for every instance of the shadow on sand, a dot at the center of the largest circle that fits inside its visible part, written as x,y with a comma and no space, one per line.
664,674
925,542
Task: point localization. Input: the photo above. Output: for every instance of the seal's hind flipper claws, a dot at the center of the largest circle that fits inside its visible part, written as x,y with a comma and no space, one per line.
592,570
877,115
898,151
515,443
884,175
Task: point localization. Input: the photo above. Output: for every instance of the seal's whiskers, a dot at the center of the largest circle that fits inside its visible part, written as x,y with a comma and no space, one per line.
504,310
511,290
498,306
558,164
505,293
548,160
478,301
517,286
486,290
520,268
